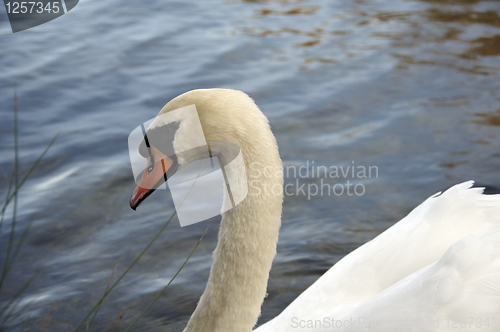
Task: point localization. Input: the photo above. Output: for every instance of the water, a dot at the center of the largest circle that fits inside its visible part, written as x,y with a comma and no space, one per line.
409,87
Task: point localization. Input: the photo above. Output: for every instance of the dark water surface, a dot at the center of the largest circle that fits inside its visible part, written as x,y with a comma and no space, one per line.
409,87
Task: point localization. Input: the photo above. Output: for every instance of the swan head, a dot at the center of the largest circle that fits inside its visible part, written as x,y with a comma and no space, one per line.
183,130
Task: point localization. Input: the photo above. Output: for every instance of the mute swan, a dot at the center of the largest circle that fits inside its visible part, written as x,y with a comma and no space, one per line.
438,269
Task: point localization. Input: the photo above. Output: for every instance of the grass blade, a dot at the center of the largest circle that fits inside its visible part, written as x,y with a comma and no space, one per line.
165,288
112,324
20,241
124,273
11,182
12,194
89,324
25,322
136,259
26,176
16,182
48,320
8,308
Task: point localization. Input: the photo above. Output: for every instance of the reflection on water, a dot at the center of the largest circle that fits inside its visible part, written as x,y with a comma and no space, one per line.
455,101
439,29
411,87
490,46
304,10
464,16
452,165
276,1
454,2
488,119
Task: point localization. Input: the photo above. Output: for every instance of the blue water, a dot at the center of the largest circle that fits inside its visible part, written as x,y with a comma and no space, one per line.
409,87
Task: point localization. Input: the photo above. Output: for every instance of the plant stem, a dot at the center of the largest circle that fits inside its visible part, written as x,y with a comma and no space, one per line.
165,288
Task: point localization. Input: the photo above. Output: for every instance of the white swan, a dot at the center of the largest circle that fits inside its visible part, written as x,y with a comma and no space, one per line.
438,269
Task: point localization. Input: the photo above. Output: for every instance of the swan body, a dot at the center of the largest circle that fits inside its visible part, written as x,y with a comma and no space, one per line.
441,263
432,271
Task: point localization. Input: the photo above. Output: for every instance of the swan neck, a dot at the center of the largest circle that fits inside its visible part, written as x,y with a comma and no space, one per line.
246,246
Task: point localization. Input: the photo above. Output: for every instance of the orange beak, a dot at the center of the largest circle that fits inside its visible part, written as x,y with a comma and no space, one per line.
155,174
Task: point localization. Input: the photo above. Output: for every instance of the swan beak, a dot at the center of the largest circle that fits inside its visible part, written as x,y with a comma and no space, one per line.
151,179
138,196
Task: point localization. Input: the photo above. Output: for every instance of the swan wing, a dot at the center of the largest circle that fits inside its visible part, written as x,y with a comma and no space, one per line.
461,291
396,257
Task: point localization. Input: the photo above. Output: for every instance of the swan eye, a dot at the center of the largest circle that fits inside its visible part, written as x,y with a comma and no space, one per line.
151,165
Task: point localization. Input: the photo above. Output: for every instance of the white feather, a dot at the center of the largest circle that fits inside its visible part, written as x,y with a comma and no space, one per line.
439,266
